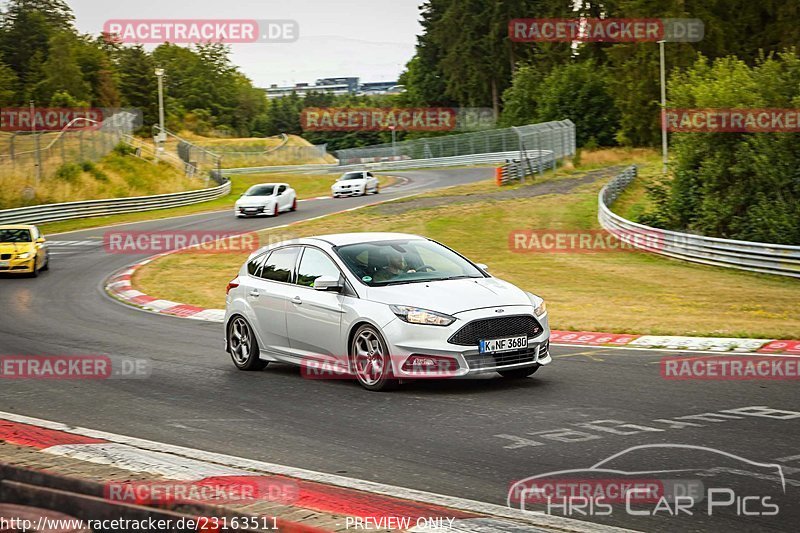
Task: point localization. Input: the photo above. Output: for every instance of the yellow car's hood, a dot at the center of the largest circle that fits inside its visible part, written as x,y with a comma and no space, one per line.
16,247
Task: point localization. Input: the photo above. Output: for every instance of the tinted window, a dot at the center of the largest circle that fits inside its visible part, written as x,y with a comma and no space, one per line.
15,235
353,176
260,190
315,263
254,264
281,189
280,265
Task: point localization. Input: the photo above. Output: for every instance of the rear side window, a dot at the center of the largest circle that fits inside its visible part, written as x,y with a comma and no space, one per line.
254,265
280,265
281,189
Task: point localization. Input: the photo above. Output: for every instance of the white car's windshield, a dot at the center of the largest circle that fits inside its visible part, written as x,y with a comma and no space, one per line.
260,190
405,261
352,176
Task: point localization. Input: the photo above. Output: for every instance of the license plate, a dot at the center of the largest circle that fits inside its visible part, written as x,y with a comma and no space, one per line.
503,345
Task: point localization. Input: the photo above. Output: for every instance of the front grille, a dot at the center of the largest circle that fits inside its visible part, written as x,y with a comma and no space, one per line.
485,360
496,328
5,257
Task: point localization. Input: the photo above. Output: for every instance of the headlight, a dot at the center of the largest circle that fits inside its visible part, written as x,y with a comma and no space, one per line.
25,255
539,308
415,315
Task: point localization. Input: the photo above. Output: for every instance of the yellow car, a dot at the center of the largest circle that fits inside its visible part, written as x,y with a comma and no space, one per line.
23,250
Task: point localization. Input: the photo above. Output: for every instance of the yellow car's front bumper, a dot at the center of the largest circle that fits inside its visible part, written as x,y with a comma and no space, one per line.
16,265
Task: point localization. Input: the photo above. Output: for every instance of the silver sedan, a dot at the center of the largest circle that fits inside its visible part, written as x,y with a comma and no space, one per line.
381,307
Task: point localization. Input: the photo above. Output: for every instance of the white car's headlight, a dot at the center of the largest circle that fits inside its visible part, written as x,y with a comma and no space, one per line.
415,315
539,307
24,255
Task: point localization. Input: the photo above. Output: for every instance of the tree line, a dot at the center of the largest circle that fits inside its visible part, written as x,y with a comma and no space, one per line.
732,185
43,58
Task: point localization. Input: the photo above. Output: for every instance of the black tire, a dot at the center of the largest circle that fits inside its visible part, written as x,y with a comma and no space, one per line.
380,381
46,263
294,205
243,354
519,373
377,189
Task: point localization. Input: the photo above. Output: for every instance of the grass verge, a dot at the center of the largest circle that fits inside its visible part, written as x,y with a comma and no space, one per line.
622,292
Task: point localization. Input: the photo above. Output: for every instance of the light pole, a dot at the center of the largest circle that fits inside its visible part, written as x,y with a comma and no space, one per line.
38,147
664,147
162,136
394,148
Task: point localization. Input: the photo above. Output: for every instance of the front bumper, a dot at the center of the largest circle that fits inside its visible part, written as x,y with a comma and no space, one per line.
251,211
16,265
406,340
357,191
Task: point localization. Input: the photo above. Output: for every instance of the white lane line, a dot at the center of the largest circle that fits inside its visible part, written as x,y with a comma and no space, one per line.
489,509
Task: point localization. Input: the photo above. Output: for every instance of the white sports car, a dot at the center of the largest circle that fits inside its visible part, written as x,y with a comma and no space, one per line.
383,307
266,199
355,184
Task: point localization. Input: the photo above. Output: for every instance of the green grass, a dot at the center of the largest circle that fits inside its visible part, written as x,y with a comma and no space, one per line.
623,292
306,185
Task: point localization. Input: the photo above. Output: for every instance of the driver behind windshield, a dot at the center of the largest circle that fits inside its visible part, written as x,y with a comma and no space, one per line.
396,266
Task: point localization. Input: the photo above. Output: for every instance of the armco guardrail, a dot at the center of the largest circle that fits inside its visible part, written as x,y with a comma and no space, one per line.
779,259
472,159
39,214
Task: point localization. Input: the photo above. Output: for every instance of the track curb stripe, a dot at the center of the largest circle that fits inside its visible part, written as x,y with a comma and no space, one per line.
318,491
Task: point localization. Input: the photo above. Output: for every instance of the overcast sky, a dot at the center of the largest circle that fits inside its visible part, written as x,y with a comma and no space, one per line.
372,39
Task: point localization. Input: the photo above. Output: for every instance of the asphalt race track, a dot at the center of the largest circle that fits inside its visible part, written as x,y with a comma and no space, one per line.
470,438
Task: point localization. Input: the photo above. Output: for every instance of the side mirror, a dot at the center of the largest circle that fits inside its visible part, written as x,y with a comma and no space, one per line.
328,283
482,267
40,240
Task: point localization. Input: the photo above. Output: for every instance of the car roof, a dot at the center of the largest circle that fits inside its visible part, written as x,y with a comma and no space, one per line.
342,239
17,226
270,183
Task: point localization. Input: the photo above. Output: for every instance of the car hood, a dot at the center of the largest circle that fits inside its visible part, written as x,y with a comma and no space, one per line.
350,182
254,201
15,247
451,296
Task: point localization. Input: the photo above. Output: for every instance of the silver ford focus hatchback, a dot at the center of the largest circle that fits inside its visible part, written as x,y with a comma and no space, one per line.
381,308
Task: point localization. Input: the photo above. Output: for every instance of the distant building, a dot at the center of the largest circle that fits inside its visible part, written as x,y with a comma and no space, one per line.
336,86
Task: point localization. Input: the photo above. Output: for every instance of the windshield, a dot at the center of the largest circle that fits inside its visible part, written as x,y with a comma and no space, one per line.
352,176
260,190
405,261
15,235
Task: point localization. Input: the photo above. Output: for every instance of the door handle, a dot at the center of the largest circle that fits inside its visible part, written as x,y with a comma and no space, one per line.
296,300
255,293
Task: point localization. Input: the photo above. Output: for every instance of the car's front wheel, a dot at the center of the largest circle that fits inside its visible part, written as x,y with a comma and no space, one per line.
370,360
519,373
243,345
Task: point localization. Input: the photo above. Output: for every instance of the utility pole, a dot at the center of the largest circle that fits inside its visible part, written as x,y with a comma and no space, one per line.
162,132
36,141
664,146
